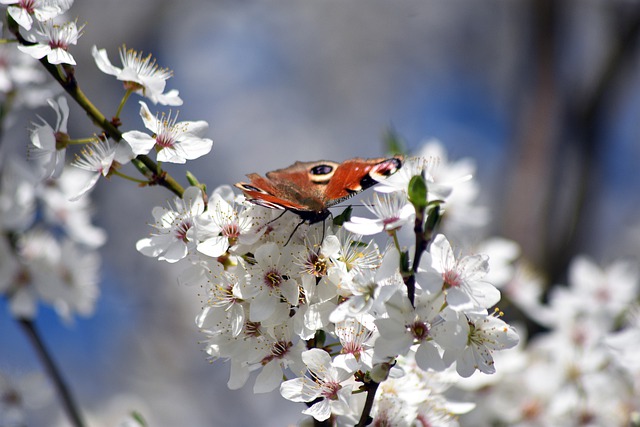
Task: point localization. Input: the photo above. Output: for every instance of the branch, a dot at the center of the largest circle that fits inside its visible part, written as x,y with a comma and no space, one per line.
67,80
365,418
54,373
587,117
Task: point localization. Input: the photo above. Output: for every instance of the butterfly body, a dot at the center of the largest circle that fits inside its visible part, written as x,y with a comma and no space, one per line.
309,189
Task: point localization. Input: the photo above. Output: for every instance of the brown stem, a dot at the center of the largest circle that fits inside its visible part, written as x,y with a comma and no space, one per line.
365,418
144,164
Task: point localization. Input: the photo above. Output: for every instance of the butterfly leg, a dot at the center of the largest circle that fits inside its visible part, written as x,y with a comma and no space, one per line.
294,231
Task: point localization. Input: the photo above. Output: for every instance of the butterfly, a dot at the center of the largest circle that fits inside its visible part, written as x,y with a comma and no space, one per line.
309,189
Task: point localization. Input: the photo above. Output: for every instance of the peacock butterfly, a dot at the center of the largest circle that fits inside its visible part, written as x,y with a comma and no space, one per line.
309,189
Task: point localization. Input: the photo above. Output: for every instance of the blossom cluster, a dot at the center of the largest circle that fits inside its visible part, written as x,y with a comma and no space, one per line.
388,319
42,227
47,246
48,243
583,369
328,308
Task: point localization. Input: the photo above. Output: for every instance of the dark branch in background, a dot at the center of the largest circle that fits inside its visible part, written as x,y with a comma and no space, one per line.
526,190
553,116
53,372
585,120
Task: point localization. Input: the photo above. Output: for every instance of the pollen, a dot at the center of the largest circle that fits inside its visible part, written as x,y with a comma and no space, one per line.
273,279
315,265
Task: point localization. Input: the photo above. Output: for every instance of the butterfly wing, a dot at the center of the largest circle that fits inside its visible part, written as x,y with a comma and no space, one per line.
310,188
356,175
296,187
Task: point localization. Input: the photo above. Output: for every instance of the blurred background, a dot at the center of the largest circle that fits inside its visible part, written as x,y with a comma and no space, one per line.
543,94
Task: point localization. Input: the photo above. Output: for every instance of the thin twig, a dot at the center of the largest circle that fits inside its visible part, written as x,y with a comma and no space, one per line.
67,80
54,373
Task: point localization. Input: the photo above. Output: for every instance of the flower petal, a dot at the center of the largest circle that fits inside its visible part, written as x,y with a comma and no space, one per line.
103,63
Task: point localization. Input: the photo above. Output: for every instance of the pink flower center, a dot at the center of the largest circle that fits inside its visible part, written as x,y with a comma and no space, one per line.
278,351
22,278
352,347
419,330
330,390
315,265
182,229
58,44
252,329
389,223
273,279
164,141
231,231
28,5
451,279
603,294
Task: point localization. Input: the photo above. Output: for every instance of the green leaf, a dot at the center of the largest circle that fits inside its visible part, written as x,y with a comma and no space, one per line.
418,192
343,217
433,219
392,141
139,419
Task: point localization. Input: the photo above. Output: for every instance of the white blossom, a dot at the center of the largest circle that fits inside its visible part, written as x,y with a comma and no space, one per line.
327,382
24,11
53,41
174,236
175,142
48,143
97,159
140,74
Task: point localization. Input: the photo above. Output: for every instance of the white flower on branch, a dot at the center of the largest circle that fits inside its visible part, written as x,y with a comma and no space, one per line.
175,142
97,159
140,74
485,334
53,41
392,211
175,235
461,279
48,143
271,288
43,270
223,226
326,381
73,217
23,11
405,326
